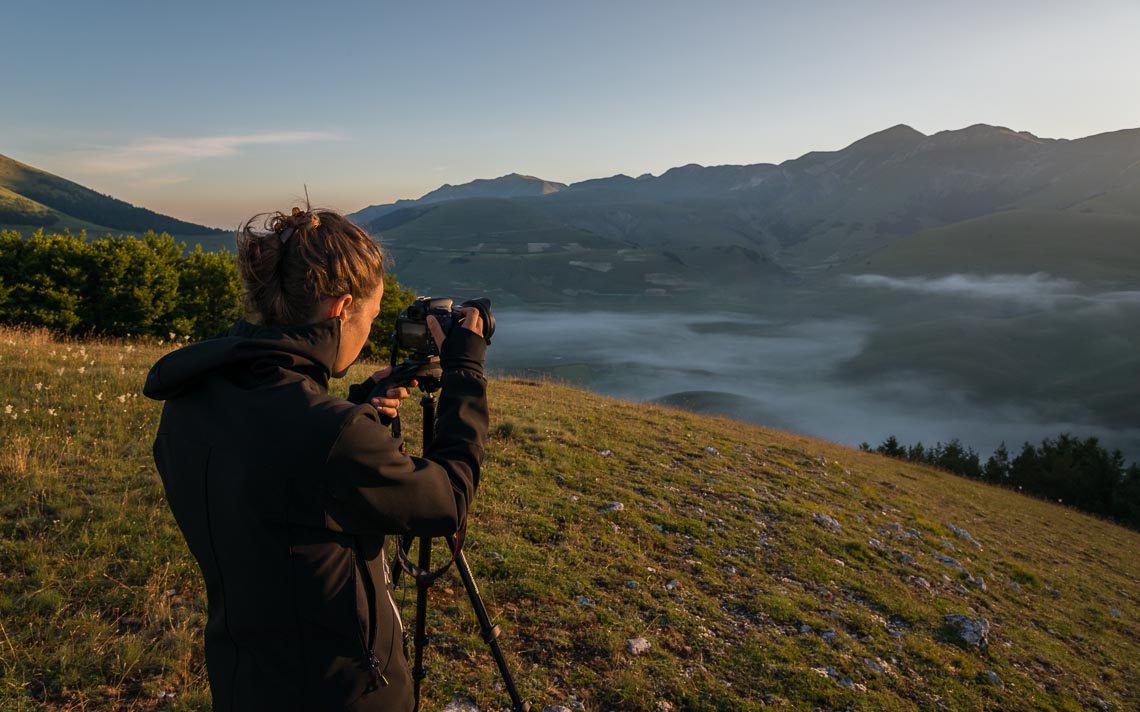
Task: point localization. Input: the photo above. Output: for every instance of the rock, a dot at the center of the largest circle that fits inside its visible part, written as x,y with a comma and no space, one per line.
672,585
876,666
972,632
963,534
876,543
606,453
980,583
612,507
949,561
556,708
805,629
1015,586
637,646
829,636
459,704
829,522
712,451
584,601
993,677
1115,613
632,584
948,545
906,558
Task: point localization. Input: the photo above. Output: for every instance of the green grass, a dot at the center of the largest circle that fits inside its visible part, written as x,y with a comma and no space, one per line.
716,559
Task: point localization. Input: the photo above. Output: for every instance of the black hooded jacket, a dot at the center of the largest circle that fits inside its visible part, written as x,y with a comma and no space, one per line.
285,495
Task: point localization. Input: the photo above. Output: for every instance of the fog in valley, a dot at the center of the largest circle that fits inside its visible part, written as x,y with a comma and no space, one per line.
789,372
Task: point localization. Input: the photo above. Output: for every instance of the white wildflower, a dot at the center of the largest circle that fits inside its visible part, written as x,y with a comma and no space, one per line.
122,399
51,412
8,410
173,336
60,371
82,370
39,386
15,415
98,396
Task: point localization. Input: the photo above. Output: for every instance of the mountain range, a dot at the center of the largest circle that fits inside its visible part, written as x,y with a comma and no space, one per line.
695,227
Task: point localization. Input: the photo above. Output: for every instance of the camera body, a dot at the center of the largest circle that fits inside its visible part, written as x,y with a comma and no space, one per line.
412,332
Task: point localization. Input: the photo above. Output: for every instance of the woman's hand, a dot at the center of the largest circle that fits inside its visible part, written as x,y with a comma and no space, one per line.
472,321
389,407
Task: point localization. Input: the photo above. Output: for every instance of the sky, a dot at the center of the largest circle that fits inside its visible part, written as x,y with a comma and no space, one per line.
213,111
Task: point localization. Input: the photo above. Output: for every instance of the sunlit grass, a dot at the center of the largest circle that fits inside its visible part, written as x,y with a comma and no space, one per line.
715,558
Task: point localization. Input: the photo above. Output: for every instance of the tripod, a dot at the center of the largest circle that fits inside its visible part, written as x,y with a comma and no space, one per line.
427,376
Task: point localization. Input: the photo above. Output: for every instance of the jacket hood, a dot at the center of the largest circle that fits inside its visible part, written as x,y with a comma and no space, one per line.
311,349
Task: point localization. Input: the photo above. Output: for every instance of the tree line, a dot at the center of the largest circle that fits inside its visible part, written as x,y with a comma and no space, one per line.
1067,469
135,286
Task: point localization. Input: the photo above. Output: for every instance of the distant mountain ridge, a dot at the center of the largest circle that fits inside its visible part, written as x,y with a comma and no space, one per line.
707,229
514,185
32,198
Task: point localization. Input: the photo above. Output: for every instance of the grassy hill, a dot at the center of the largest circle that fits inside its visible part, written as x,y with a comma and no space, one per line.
764,569
31,198
1089,247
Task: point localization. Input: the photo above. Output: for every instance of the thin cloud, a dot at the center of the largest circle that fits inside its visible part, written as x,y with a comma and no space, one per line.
163,152
1035,289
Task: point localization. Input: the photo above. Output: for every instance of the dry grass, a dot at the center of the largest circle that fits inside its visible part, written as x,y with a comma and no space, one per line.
716,559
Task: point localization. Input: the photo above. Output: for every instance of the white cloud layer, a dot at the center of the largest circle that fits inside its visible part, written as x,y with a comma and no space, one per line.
1038,289
164,152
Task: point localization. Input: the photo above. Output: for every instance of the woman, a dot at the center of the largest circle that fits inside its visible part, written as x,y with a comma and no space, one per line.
285,494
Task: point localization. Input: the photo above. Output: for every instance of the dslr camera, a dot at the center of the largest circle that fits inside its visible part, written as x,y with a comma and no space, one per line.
411,325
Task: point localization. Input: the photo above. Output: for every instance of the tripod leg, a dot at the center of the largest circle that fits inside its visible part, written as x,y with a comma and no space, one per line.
420,640
489,632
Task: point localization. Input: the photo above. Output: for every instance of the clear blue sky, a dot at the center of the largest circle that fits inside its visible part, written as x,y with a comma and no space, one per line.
212,111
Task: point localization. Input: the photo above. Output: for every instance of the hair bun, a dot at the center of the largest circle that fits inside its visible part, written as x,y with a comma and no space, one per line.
284,225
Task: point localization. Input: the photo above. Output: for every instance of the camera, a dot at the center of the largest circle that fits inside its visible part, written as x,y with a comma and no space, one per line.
411,325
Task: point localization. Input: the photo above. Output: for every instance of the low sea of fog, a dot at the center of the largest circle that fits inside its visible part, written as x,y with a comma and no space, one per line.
783,374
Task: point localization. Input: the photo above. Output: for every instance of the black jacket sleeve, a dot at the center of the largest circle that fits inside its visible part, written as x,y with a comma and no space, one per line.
379,489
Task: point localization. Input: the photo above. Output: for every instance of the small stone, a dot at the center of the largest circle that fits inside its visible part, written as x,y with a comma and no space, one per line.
584,601
829,636
612,507
712,451
672,585
556,708
876,543
637,646
1015,586
1115,613
632,584
993,677
948,545
805,629
972,632
906,559
980,583
606,453
829,522
963,534
460,704
876,666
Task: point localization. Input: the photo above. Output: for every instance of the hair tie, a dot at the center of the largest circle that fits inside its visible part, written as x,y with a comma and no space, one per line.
285,226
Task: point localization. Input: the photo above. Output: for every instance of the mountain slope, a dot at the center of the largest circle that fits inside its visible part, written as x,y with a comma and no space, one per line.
35,198
830,207
513,185
763,569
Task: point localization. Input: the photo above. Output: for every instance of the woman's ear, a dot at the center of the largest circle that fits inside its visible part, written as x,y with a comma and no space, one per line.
339,308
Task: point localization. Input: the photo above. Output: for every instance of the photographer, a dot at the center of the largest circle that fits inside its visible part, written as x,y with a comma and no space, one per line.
286,494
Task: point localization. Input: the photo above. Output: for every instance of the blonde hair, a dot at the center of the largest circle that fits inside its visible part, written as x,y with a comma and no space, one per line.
289,263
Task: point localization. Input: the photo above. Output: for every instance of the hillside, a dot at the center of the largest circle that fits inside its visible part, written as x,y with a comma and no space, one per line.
763,569
880,198
31,198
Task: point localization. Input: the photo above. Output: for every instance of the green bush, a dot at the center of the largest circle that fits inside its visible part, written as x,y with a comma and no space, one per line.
149,286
